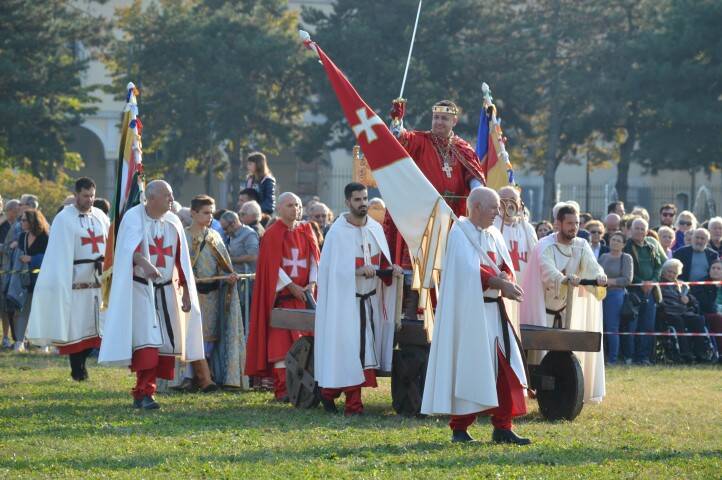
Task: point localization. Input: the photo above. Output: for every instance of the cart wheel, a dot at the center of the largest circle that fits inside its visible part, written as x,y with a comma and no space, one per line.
407,379
300,383
559,386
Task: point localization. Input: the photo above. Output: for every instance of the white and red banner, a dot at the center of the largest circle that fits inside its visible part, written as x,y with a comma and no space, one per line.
418,210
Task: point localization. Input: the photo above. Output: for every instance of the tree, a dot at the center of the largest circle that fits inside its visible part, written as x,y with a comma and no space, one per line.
217,78
41,62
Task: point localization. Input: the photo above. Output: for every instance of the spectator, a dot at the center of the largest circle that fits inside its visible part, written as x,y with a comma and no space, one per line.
377,209
31,248
616,207
261,179
103,205
714,318
246,195
666,239
176,207
7,259
688,238
626,225
686,221
697,259
666,215
585,218
543,229
322,215
242,242
618,267
250,215
184,214
596,232
682,312
611,225
638,211
215,224
714,225
648,258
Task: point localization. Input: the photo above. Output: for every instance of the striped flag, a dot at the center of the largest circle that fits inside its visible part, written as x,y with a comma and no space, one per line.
130,182
490,146
420,213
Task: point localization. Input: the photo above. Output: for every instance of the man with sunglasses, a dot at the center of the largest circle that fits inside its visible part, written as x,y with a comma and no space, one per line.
666,215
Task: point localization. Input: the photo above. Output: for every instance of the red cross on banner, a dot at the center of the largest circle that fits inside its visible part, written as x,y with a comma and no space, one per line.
160,251
92,239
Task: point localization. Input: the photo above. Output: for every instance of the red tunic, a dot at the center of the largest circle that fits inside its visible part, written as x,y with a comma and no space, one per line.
428,152
290,250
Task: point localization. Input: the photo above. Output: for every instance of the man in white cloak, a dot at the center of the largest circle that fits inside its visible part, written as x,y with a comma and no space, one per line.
153,313
356,310
67,298
520,239
475,363
553,297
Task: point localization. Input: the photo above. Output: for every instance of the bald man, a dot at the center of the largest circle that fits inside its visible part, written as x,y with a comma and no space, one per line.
518,233
153,314
286,273
475,363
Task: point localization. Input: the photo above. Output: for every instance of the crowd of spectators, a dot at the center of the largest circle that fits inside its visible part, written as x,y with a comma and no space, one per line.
635,259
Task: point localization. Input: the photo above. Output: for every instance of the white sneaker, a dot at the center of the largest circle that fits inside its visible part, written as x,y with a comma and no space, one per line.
19,346
6,343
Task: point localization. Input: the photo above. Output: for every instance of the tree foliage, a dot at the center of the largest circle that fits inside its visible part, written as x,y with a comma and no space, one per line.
51,193
43,54
217,78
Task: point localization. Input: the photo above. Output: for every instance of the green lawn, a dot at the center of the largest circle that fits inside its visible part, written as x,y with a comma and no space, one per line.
655,423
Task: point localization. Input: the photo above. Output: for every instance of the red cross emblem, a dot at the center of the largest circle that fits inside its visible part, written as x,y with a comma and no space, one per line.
160,251
92,239
375,261
516,256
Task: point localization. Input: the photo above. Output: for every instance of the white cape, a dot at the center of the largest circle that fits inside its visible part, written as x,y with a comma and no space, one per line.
52,308
117,346
461,373
337,334
586,308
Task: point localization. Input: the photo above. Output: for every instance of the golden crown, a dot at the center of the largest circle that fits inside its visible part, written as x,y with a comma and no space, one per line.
445,109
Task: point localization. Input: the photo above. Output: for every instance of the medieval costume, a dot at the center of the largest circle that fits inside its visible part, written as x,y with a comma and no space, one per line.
286,255
145,326
355,315
67,298
550,301
475,363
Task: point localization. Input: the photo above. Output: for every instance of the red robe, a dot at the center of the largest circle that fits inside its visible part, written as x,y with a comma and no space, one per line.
267,345
423,148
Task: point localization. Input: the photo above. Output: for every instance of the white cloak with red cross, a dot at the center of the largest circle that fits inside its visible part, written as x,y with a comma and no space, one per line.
135,318
337,359
60,314
461,376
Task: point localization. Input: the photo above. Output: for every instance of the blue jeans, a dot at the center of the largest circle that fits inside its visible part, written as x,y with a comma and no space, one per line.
612,309
646,323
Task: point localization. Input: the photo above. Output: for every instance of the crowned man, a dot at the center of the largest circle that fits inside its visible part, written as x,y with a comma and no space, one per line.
220,307
355,314
153,313
286,274
475,363
553,297
449,162
67,299
519,236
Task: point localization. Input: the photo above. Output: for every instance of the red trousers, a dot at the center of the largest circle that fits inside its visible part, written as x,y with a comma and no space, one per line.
279,383
353,394
510,394
148,365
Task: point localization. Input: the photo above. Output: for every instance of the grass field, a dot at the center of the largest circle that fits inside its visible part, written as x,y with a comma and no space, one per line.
656,422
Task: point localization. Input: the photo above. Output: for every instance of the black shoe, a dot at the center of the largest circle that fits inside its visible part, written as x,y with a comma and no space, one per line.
148,403
329,405
211,388
461,436
79,376
186,386
508,436
137,402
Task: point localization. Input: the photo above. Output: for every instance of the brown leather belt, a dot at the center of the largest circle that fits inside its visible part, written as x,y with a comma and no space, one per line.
84,286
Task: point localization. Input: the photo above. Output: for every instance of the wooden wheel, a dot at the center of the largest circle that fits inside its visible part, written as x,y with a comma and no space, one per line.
407,379
300,383
559,384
